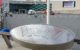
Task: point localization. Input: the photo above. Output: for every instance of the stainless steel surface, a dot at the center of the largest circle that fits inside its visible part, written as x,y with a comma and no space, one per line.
37,36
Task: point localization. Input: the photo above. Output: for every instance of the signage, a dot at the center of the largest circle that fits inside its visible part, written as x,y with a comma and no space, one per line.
0,3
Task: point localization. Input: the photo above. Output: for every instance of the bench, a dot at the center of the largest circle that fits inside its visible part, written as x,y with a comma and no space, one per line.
5,36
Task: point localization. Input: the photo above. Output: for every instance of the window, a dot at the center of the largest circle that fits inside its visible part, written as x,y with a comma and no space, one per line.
68,4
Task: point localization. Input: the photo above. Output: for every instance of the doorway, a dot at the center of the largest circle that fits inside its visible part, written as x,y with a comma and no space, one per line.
22,11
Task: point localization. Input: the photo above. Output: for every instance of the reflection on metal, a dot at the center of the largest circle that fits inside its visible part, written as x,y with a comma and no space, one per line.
43,34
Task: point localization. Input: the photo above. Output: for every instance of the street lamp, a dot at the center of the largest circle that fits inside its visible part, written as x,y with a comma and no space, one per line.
48,11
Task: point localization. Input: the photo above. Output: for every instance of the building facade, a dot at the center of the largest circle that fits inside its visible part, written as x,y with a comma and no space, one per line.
68,6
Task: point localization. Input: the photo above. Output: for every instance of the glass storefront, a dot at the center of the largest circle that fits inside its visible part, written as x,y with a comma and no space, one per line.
23,8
